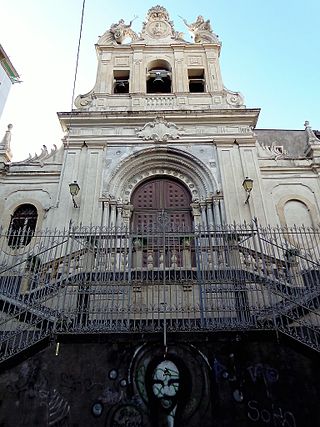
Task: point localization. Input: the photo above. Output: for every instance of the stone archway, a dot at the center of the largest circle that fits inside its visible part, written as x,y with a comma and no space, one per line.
155,162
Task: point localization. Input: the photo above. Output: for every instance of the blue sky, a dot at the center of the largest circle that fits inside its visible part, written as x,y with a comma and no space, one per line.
270,53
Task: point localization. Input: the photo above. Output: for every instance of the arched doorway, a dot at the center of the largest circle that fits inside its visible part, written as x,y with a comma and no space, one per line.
161,199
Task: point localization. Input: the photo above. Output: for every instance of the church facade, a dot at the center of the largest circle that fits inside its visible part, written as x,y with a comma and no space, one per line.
161,268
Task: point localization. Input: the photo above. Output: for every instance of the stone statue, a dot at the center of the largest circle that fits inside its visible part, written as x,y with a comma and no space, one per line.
118,32
201,30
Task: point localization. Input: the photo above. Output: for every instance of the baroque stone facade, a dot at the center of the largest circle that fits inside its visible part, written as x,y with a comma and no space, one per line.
128,129
159,135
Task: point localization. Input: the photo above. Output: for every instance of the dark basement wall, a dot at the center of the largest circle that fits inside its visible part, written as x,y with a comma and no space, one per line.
134,382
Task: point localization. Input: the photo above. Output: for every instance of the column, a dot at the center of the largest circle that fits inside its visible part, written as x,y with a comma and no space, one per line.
209,213
203,207
119,215
196,213
113,214
216,211
126,215
106,214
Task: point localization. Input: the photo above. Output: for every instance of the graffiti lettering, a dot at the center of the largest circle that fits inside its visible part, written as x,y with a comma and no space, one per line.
274,416
111,396
220,371
127,416
68,382
265,372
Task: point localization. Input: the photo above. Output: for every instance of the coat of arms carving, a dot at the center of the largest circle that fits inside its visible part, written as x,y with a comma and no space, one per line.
159,130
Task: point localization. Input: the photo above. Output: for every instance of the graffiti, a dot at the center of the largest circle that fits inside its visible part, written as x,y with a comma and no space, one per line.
123,382
113,374
97,409
111,397
165,386
30,381
274,416
262,371
126,416
140,380
88,384
220,371
68,383
136,401
58,408
232,374
168,385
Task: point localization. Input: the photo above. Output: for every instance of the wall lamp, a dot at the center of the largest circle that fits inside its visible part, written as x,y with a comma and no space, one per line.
74,190
247,185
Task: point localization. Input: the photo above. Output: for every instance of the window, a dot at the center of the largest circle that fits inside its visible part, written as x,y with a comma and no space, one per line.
121,81
196,80
159,77
22,226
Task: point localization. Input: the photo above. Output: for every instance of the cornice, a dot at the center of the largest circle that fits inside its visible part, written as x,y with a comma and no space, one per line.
135,118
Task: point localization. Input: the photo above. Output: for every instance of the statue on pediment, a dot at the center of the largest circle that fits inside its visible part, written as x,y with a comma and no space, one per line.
118,32
201,30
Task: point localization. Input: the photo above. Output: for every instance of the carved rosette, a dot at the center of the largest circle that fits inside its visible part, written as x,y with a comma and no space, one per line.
159,131
234,99
84,101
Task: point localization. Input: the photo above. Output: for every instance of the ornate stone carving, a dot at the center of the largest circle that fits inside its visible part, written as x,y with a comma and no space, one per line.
161,161
41,158
312,139
233,98
84,101
5,143
272,151
201,31
159,131
160,102
5,150
313,144
117,33
159,26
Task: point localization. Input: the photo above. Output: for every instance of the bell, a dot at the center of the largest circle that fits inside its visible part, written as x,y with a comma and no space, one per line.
158,79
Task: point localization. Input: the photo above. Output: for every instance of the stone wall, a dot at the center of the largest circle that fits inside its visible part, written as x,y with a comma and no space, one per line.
130,381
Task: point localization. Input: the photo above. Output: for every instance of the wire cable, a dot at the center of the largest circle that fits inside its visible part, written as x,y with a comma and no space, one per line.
76,67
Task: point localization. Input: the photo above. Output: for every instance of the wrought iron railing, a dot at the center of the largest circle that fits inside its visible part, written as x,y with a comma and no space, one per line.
97,280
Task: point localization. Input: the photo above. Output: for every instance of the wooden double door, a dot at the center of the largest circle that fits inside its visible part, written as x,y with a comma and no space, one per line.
161,202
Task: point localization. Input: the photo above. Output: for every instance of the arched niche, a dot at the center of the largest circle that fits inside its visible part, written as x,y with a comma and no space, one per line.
297,213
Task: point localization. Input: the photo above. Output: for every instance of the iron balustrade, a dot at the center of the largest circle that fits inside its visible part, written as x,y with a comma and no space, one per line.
97,280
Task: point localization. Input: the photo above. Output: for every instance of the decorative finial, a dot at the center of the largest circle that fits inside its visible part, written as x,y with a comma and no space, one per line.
312,139
5,143
5,151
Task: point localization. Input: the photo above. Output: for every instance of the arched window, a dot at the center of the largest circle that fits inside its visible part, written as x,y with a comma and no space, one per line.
22,225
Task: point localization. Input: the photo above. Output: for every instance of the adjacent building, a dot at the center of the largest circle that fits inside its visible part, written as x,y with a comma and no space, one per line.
8,76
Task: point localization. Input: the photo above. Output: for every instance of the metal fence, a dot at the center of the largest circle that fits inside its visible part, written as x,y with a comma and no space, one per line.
164,279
